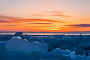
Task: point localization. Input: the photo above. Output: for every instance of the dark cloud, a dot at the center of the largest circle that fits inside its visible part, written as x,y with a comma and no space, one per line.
40,23
46,26
4,21
45,20
7,17
80,25
8,25
41,26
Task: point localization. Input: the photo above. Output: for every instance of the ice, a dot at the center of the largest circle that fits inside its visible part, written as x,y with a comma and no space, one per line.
49,48
3,53
65,54
88,57
49,59
16,44
67,43
79,57
17,47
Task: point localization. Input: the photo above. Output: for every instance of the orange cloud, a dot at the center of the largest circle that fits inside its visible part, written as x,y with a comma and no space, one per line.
8,23
24,24
38,15
40,23
50,13
43,20
6,19
58,14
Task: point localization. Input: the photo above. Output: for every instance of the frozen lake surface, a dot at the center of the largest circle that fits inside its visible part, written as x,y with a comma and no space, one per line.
44,46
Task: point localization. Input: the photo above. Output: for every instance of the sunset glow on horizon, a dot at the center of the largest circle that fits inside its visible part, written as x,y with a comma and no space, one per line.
45,15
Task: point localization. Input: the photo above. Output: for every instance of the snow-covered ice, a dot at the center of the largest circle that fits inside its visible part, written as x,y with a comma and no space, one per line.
17,45
47,48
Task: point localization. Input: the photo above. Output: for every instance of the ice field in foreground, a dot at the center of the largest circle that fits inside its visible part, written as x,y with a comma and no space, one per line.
46,48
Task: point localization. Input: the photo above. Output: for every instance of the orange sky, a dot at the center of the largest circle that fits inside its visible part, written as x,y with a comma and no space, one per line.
45,15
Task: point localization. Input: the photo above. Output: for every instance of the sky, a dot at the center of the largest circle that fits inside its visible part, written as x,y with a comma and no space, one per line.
45,15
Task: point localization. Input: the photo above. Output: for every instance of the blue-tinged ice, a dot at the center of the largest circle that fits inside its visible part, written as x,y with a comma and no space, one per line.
88,57
17,47
48,59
